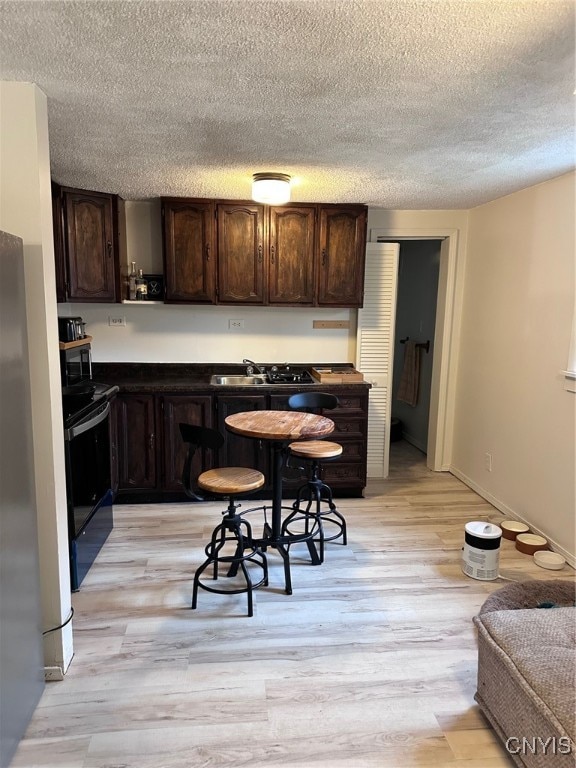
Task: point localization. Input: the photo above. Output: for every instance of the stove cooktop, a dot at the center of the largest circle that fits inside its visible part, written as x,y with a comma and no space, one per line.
287,376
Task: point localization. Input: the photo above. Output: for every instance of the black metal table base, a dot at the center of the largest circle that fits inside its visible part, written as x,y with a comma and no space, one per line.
284,541
313,494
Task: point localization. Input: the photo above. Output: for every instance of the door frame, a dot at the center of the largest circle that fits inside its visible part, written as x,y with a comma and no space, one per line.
442,390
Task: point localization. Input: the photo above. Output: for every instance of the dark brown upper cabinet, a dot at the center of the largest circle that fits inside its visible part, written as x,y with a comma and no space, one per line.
241,264
341,253
89,242
189,252
291,255
240,252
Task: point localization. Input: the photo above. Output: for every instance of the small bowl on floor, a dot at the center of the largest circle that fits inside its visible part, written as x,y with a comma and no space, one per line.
511,529
528,543
552,561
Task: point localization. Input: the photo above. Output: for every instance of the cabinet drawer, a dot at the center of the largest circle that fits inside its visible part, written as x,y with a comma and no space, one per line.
344,474
352,450
352,403
351,428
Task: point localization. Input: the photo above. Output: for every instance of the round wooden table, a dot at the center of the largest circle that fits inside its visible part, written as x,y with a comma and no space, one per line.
280,427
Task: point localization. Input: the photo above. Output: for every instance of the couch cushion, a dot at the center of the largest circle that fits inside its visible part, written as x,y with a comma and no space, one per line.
531,594
526,678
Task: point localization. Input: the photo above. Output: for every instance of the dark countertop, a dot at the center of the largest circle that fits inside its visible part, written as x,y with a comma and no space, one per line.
190,377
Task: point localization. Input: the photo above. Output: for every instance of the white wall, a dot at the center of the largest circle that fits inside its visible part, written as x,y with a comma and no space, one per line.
452,228
198,334
515,337
26,211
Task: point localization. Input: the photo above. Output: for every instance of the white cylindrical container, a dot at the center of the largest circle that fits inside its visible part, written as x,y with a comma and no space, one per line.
481,551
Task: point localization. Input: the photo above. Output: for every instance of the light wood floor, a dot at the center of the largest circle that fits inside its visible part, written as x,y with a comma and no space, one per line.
371,663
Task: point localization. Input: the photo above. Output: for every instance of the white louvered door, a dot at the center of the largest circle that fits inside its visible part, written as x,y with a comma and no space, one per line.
375,348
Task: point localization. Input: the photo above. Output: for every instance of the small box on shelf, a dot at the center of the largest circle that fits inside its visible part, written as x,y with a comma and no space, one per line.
155,285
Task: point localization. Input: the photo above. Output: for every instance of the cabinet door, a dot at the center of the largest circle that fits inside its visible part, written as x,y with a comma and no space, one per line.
189,409
241,267
341,246
291,255
90,245
136,441
189,258
115,478
59,252
239,451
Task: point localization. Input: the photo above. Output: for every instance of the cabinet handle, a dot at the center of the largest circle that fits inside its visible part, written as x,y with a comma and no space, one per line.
272,254
109,246
260,253
323,256
151,440
207,251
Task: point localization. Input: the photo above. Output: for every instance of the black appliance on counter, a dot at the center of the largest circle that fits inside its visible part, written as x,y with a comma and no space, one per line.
71,328
89,493
288,375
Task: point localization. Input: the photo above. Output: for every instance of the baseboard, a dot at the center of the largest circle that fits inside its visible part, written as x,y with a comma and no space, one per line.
53,674
512,514
414,441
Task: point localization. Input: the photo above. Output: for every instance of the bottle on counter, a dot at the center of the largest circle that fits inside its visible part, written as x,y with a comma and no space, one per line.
141,287
132,283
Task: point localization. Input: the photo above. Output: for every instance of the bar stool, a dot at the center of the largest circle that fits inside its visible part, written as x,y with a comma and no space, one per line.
315,491
231,543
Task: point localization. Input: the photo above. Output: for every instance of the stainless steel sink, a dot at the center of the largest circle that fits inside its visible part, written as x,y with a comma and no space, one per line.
238,381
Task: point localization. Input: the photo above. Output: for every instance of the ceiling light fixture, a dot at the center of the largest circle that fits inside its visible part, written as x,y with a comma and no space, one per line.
271,188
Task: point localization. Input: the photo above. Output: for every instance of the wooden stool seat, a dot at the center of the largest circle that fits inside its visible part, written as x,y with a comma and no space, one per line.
316,449
231,480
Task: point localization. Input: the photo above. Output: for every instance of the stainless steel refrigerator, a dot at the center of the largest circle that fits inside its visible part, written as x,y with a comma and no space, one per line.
21,657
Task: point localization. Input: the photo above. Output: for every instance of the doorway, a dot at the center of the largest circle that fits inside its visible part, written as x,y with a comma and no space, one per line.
439,441
416,300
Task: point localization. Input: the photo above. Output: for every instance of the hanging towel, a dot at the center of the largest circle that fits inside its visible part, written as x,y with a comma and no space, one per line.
410,379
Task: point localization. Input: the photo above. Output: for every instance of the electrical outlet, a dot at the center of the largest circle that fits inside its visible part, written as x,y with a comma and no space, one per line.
488,462
235,325
116,321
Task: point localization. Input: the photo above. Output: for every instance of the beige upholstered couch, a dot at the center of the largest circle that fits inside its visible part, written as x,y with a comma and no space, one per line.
527,674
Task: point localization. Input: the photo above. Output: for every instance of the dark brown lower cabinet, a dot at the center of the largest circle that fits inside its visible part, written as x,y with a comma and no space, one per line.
346,474
114,476
136,434
150,452
351,431
189,409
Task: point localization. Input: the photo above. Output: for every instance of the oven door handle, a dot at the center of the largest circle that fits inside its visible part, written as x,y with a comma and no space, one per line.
70,434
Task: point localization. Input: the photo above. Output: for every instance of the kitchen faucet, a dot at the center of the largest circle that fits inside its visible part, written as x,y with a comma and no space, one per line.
251,366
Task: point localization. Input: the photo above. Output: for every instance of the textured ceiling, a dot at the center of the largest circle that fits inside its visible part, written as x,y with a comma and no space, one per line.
393,103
